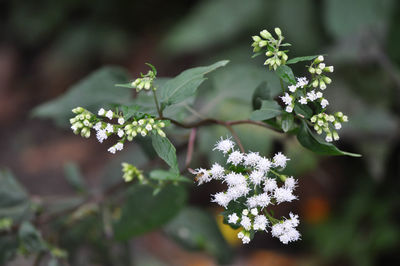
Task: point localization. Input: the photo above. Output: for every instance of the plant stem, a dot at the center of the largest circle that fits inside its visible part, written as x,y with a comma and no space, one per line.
157,105
283,87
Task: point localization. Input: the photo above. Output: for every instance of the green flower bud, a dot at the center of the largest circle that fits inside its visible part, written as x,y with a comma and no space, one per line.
262,43
147,85
269,53
313,119
278,32
256,39
319,59
318,71
315,83
319,131
284,57
329,69
161,133
265,34
345,118
327,80
335,135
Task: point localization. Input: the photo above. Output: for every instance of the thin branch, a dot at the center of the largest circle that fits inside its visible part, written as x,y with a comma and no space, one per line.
190,148
157,105
236,137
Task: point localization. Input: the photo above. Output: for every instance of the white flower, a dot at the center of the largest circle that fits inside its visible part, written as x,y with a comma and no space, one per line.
221,199
240,235
109,128
252,201
264,165
101,112
233,179
224,145
109,114
287,99
260,223
337,125
263,200
286,231
254,211
148,127
246,223
320,58
303,100
270,185
217,171
101,135
277,229
319,94
121,120
238,191
280,160
292,88
301,82
97,126
119,146
324,103
321,66
312,96
112,149
120,133
252,158
256,177
289,109
290,183
233,218
246,240
283,194
141,122
203,176
328,138
294,219
235,158
245,212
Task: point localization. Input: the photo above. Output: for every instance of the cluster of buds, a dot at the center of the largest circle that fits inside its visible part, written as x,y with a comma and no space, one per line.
253,185
143,127
130,172
266,40
329,124
145,82
317,69
82,122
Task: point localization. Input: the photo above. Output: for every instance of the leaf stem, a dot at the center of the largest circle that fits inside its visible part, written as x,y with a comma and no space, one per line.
282,87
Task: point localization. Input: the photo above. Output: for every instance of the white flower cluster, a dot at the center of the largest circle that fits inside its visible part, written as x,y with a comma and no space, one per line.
85,120
252,182
286,230
266,40
323,121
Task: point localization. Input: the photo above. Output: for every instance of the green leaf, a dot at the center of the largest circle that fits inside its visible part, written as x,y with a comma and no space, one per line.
14,201
185,84
196,229
257,54
286,74
162,175
287,122
74,176
131,111
95,91
8,248
30,238
143,212
262,92
166,151
303,110
308,140
269,109
300,59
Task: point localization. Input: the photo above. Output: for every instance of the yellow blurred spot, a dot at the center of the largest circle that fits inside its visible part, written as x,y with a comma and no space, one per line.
228,233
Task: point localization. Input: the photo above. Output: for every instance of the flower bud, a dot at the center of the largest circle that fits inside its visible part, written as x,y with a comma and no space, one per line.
315,83
284,57
161,124
328,69
269,53
328,137
322,85
319,59
262,43
256,38
161,133
337,125
147,85
143,133
278,31
265,34
311,70
345,118
318,71
313,119
335,135
327,80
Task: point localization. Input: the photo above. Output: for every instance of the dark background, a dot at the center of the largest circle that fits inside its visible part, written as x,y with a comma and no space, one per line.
349,206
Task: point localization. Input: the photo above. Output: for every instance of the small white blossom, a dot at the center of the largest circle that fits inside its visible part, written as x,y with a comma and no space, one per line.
233,179
319,94
245,212
112,149
203,176
246,240
109,128
254,211
263,200
324,103
101,135
303,100
264,165
97,126
286,231
337,125
301,82
121,120
292,88
238,191
120,133
328,138
289,109
260,223
240,235
312,96
280,160
101,112
246,223
256,177
283,194
252,158
221,199
224,145
290,183
233,218
109,114
287,99
252,201
235,158
270,185
217,171
119,146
